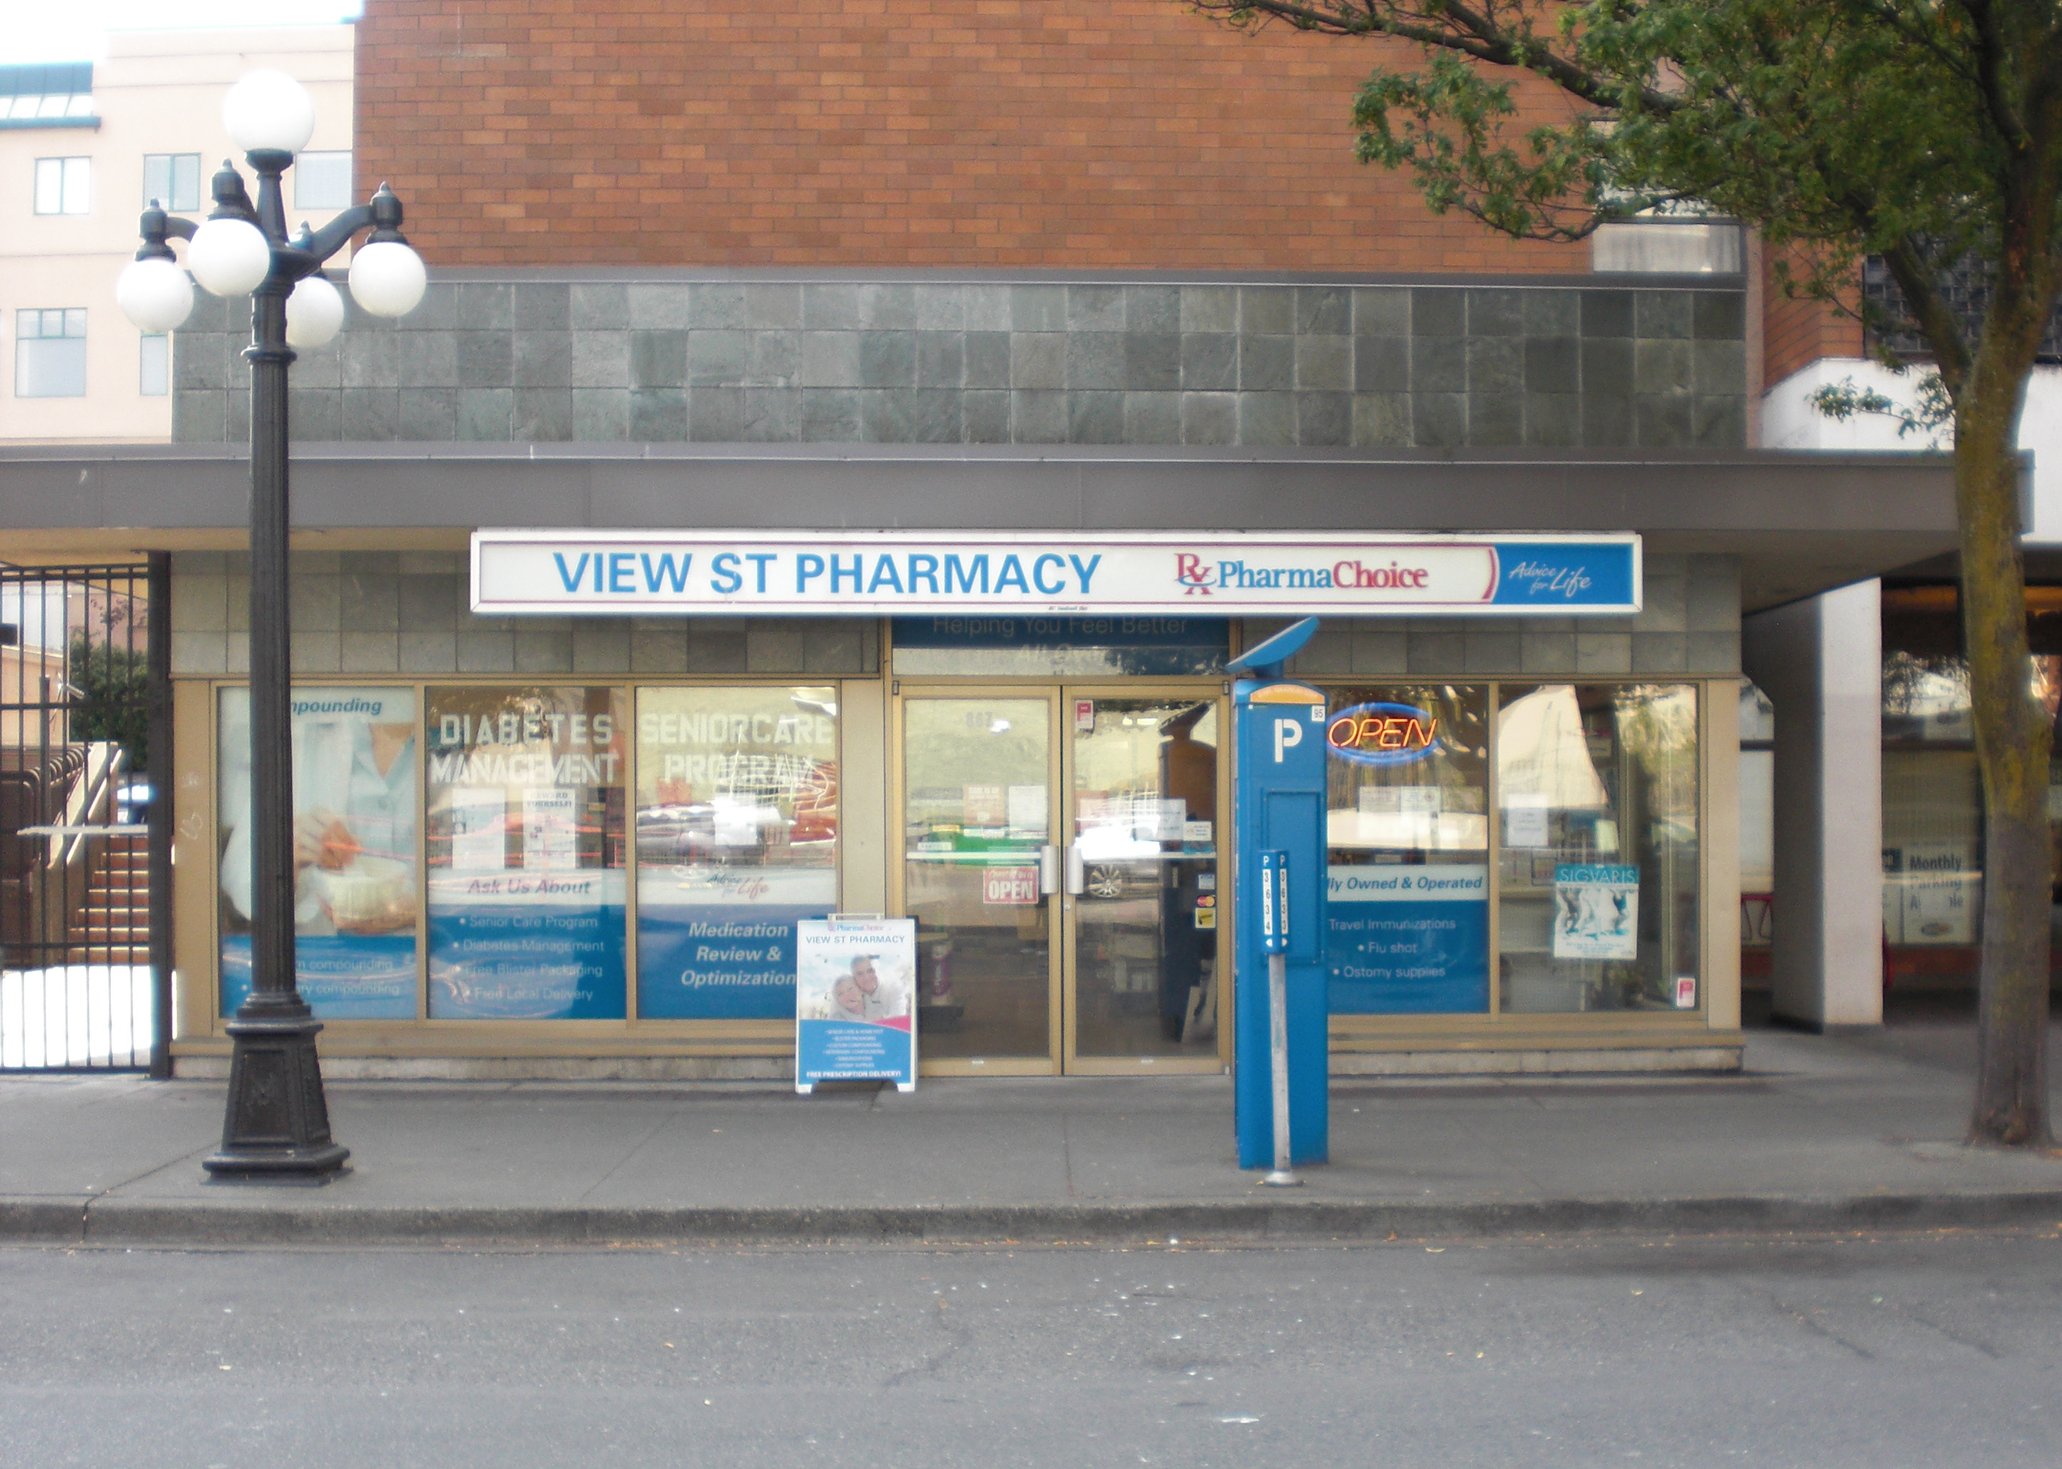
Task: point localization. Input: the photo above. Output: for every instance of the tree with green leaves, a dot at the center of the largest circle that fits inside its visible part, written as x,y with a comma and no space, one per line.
1926,133
111,697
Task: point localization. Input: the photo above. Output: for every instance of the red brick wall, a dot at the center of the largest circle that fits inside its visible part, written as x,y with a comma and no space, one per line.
1797,332
1067,134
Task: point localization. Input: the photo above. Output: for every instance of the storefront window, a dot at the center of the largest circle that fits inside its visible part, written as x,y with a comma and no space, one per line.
1757,831
1407,834
1597,794
1932,848
526,852
355,877
737,839
1926,699
1932,795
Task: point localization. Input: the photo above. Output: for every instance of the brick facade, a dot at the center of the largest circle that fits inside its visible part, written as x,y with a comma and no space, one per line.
1797,332
1066,134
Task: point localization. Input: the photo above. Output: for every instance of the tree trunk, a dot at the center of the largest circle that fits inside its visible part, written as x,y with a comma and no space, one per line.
2013,741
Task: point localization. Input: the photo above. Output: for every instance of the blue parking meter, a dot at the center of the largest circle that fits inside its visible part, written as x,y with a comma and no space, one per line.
1278,812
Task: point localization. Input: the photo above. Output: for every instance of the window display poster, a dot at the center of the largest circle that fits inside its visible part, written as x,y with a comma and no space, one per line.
984,805
549,835
479,829
718,943
1408,939
536,932
356,798
1932,893
737,829
855,1017
1526,820
1027,812
1596,911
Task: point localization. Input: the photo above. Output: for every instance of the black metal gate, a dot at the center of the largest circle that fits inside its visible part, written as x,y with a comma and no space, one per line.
85,868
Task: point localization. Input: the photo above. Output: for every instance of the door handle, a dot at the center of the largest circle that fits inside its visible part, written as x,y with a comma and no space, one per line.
1077,873
1048,870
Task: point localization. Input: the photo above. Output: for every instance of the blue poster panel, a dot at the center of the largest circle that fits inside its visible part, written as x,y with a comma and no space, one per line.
1409,939
706,953
341,976
356,803
526,946
855,1011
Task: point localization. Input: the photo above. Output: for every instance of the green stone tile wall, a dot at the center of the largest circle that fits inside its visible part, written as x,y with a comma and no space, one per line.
899,362
408,612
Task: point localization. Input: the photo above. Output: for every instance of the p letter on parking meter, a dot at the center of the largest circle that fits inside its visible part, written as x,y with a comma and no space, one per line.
1279,806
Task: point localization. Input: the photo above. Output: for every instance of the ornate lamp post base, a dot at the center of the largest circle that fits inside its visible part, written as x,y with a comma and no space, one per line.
276,1128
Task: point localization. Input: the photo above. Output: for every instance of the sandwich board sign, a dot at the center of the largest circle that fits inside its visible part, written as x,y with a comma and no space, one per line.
855,1001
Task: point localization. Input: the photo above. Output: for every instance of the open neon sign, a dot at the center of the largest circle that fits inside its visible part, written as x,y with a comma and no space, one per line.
1382,734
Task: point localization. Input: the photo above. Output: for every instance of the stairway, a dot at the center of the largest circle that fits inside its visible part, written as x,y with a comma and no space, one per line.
115,926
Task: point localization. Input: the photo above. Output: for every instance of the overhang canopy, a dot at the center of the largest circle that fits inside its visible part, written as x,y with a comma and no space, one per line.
1800,523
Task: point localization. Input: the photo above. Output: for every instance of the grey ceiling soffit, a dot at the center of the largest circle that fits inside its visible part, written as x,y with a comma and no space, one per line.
1799,522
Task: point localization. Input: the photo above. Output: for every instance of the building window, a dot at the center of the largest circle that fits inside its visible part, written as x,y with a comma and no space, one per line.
322,180
737,840
172,180
154,365
47,107
50,353
1407,850
355,785
47,94
1933,839
1597,791
1757,832
524,839
64,185
1667,247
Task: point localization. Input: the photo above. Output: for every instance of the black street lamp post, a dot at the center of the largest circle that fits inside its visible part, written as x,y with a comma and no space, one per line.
276,1127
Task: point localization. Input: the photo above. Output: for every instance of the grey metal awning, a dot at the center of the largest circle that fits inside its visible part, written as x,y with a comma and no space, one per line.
1800,523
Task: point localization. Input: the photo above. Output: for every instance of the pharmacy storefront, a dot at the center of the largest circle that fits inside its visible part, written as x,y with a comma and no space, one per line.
1036,772
565,791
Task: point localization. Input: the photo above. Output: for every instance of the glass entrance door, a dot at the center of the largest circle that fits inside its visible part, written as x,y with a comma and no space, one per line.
979,876
1059,853
1143,903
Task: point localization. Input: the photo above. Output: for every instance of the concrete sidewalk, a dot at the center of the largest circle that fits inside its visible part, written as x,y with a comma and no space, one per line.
1817,1134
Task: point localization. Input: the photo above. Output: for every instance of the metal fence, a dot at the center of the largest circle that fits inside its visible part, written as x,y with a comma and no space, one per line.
85,869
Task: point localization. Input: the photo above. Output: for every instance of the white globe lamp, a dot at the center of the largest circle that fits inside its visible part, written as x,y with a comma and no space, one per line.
387,278
314,313
269,110
155,294
229,257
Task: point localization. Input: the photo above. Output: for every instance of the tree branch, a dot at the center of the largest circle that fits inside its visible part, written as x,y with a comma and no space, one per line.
1935,318
1990,49
1451,26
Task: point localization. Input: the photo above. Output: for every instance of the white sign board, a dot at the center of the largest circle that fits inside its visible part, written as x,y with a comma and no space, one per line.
1213,574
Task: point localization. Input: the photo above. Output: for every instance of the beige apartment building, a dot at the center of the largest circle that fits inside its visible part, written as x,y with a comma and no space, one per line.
83,146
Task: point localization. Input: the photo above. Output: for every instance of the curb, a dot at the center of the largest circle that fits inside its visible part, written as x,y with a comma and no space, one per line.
120,1222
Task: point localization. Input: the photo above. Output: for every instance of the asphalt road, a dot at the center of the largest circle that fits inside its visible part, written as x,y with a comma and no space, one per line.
1877,1352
